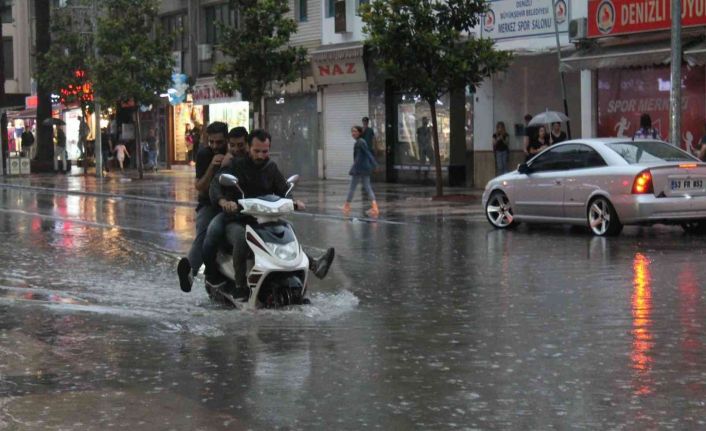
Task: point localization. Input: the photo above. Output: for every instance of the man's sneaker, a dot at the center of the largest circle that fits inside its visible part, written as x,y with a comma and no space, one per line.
322,264
186,279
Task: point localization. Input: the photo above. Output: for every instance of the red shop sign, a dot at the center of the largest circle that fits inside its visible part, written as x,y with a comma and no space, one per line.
625,94
613,17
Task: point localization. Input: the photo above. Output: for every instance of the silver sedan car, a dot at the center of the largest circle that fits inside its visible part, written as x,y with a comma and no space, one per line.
603,184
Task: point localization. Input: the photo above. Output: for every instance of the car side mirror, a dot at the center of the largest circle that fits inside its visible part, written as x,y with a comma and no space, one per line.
523,168
228,180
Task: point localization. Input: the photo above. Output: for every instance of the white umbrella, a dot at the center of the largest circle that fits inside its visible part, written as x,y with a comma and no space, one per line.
548,117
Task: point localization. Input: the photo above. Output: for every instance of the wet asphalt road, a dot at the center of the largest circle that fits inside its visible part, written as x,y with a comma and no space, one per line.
425,324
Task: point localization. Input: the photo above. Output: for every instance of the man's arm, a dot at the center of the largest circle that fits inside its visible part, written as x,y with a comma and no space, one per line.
204,176
217,195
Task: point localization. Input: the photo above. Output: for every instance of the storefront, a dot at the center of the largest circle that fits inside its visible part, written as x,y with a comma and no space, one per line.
627,76
339,72
532,83
184,117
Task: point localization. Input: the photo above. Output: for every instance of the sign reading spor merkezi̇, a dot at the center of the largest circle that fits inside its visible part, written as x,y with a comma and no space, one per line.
615,17
507,19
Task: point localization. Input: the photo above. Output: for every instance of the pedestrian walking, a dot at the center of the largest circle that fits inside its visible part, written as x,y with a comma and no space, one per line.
425,150
368,134
557,135
501,148
83,132
189,143
530,135
700,149
152,146
120,153
646,131
363,165
60,149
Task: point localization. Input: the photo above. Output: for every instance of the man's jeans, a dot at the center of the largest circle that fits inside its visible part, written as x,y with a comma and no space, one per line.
501,159
215,236
203,217
235,232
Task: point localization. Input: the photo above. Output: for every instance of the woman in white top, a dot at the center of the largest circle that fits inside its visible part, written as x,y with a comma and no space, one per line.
120,152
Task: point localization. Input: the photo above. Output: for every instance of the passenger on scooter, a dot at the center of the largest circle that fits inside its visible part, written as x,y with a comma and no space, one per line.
237,149
257,176
208,162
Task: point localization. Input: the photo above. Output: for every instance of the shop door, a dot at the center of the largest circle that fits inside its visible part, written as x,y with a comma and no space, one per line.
344,106
294,125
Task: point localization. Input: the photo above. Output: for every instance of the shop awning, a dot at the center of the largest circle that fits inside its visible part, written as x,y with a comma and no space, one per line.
696,54
22,113
606,57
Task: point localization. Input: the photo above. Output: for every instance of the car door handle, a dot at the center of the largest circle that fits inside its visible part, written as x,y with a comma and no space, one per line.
557,182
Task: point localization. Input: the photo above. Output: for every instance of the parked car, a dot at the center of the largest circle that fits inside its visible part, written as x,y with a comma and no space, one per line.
603,184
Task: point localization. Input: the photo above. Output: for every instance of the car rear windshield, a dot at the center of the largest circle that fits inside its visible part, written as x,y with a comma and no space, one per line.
635,152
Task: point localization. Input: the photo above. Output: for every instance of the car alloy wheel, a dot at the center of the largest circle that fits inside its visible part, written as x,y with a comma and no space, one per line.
602,218
499,211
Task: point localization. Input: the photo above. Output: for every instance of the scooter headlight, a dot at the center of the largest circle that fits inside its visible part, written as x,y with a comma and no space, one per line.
285,251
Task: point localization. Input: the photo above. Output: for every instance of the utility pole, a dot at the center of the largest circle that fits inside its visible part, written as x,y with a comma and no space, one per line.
675,79
98,142
561,72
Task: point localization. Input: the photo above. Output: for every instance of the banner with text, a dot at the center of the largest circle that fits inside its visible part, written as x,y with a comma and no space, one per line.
613,17
625,94
521,18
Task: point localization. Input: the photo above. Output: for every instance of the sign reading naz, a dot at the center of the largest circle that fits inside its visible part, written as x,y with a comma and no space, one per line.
337,69
516,18
613,17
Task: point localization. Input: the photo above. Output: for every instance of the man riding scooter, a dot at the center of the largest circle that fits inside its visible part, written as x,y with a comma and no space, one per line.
257,176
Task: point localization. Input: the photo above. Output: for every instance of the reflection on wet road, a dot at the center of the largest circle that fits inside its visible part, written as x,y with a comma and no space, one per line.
423,325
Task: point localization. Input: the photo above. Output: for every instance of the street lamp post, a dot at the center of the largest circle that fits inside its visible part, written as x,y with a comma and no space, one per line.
675,78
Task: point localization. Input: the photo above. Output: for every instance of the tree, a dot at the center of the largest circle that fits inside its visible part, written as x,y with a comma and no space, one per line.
134,64
257,52
426,47
66,67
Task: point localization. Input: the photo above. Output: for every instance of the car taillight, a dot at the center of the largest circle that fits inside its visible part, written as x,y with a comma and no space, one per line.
643,183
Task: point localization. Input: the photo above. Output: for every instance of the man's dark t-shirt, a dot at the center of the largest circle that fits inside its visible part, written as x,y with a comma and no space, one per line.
556,139
369,137
203,159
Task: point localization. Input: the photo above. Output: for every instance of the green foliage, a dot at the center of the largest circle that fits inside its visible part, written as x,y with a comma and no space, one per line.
423,45
134,61
258,52
70,51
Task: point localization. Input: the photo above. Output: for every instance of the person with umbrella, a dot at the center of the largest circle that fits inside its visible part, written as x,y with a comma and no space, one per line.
556,135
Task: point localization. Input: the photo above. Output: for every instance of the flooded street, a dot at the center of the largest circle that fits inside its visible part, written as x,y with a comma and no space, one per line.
422,323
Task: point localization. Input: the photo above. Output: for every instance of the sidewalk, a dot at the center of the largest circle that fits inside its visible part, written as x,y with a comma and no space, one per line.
398,202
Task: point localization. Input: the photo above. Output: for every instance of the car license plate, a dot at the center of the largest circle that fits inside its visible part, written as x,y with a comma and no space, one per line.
687,185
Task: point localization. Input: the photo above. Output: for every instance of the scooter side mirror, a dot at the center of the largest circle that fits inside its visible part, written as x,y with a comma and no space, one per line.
291,181
228,180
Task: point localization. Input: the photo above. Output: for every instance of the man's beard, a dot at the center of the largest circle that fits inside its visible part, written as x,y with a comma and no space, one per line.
259,162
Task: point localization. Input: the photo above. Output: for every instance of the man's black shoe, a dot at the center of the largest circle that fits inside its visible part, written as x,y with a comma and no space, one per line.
186,279
322,264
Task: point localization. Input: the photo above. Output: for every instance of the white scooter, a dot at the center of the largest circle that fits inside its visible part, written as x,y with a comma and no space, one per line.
280,269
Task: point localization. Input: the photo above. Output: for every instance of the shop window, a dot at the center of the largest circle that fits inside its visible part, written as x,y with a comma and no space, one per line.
9,57
6,11
359,3
216,17
414,144
302,10
177,25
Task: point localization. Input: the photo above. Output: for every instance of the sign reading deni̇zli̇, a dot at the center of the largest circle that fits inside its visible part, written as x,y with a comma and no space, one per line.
613,17
520,18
